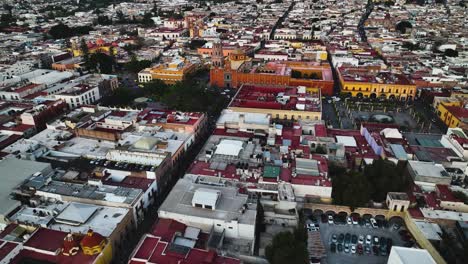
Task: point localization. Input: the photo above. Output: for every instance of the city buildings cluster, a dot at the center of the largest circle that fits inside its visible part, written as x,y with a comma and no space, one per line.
312,86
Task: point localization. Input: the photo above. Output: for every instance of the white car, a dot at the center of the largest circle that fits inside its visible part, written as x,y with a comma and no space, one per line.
348,221
312,227
330,219
373,223
368,239
346,248
376,240
361,239
353,249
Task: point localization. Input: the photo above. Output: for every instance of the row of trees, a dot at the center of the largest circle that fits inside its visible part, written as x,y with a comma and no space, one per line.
357,188
62,31
188,95
299,75
289,247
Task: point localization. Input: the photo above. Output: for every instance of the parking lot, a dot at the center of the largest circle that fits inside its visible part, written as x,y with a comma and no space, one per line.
365,250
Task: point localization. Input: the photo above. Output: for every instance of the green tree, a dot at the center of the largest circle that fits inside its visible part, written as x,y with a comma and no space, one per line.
285,248
402,26
451,53
85,52
350,189
101,62
104,20
384,176
147,21
60,31
320,150
135,65
296,74
120,16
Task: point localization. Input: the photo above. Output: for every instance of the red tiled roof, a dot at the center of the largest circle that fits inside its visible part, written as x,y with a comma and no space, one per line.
166,228
5,248
158,252
459,112
445,194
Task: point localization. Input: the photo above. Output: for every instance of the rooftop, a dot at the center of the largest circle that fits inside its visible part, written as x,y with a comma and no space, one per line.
228,208
113,194
13,173
277,98
411,255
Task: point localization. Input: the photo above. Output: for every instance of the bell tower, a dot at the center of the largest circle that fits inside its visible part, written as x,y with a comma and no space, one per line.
217,58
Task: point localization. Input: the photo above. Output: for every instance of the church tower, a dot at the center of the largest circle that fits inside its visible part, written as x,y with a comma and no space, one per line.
217,58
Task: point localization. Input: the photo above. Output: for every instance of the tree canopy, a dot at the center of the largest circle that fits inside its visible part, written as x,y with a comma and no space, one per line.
101,62
135,65
402,26
287,247
356,189
61,31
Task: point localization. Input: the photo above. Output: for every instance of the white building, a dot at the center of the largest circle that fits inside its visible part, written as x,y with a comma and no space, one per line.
402,255
79,95
195,202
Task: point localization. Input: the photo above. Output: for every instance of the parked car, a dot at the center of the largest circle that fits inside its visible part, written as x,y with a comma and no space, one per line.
376,240
346,248
373,223
396,227
360,249
375,250
353,249
330,219
349,221
347,238
361,239
334,238
340,247
383,241
340,238
354,239
368,239
367,223
355,220
323,218
367,249
333,247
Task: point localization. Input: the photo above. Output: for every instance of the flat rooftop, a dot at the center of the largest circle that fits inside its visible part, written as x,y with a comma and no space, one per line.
277,98
115,194
13,173
228,207
428,169
411,255
363,75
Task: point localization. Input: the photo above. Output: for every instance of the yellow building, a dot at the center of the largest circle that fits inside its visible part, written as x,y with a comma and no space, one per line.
279,102
362,82
169,73
99,46
453,114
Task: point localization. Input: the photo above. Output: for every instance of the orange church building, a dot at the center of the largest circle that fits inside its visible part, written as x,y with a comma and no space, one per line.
237,69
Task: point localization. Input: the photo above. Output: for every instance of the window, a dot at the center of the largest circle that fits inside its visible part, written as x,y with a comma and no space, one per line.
198,205
218,224
209,207
230,227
